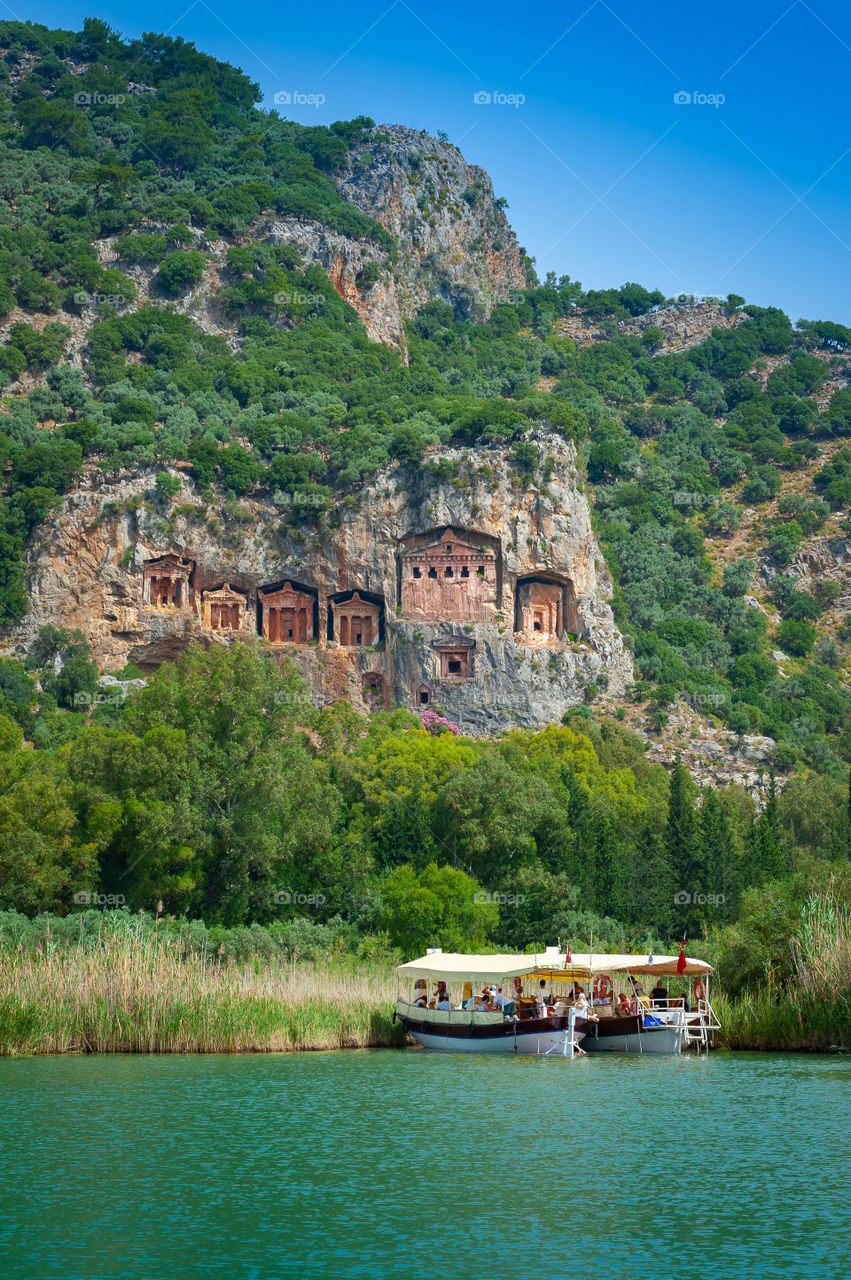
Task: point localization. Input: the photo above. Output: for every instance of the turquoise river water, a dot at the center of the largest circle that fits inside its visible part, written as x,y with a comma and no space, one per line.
422,1166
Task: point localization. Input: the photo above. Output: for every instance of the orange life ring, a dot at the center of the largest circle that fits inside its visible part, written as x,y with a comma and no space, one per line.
700,990
602,987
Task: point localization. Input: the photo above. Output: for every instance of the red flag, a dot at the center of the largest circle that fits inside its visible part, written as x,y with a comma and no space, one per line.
681,959
568,959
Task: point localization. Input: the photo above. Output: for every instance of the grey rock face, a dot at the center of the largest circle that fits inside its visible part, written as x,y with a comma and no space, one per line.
86,571
455,241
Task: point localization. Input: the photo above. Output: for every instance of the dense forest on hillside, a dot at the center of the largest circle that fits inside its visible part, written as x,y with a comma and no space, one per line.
218,793
130,153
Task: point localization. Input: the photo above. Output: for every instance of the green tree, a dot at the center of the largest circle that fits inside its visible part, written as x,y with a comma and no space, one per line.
720,855
682,842
487,817
180,270
796,637
440,906
264,818
41,865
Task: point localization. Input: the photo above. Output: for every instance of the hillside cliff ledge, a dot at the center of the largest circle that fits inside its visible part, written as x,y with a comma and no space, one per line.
482,595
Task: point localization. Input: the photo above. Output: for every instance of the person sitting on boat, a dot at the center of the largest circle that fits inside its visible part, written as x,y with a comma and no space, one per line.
420,990
659,995
443,1002
623,1009
583,1009
640,1001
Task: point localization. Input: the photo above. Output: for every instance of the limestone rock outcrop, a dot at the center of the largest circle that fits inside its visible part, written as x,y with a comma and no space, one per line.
141,578
454,239
686,324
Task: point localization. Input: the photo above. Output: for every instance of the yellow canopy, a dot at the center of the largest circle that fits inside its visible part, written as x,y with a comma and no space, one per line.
653,964
570,973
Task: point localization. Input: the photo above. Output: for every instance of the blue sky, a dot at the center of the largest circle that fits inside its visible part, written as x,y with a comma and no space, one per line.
744,188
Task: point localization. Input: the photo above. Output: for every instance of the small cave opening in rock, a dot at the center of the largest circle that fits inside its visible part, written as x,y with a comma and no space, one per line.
372,688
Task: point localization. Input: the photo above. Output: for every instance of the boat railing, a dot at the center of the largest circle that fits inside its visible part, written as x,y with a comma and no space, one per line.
697,1023
479,1017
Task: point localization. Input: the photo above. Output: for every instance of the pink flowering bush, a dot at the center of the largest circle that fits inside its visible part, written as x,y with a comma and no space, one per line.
433,723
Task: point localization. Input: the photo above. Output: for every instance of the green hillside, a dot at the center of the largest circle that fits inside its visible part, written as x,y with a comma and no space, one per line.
711,469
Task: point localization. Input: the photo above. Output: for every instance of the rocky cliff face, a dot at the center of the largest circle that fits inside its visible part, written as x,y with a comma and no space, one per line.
87,569
454,244
685,325
454,239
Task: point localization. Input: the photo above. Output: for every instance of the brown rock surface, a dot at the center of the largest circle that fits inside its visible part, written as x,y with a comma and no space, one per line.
86,569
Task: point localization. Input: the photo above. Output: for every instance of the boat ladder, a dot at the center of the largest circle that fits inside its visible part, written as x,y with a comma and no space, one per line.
698,1027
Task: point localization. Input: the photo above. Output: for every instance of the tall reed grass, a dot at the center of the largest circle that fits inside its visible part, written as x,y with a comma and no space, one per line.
134,995
813,1011
129,990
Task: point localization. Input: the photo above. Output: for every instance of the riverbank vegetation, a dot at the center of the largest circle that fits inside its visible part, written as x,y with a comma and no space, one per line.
251,830
127,990
110,982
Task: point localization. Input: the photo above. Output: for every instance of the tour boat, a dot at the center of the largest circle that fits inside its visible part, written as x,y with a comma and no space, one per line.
515,1030
647,1027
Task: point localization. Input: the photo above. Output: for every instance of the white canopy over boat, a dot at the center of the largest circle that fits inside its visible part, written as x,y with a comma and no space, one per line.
451,964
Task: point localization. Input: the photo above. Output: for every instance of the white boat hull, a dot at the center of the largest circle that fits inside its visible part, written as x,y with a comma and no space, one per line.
663,1039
